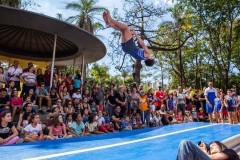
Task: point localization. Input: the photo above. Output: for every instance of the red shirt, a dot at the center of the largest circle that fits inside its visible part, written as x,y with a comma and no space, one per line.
161,95
201,115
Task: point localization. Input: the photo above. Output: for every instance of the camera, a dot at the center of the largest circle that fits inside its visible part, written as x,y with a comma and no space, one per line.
201,143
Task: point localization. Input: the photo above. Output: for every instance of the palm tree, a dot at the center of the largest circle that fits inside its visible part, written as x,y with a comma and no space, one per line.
11,3
87,11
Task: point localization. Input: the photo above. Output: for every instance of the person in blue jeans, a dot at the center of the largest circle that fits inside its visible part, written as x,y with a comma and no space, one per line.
128,45
189,151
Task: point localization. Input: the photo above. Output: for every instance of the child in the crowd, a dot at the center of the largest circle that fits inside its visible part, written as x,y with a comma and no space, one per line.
156,120
11,88
8,132
231,102
28,100
218,107
170,105
194,113
33,131
91,126
201,116
144,104
68,124
108,122
137,122
100,106
179,117
27,108
79,108
85,115
16,103
188,117
68,108
126,125
78,127
58,128
26,119
93,107
102,126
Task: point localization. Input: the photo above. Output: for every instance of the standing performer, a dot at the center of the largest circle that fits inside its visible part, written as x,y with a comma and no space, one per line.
128,44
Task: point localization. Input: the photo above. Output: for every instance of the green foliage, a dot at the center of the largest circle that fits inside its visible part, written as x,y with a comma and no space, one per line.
21,4
99,72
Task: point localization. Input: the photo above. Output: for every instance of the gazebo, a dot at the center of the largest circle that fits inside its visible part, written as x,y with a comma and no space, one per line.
31,36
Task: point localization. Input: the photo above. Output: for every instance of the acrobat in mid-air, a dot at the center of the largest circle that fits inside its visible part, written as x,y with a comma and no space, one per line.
128,44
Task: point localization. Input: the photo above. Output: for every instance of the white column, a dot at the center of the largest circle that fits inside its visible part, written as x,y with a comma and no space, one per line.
82,70
53,59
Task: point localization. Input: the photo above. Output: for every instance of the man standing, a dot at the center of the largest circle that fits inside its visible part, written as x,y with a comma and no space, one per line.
13,73
181,101
210,95
30,64
100,93
121,100
47,78
160,96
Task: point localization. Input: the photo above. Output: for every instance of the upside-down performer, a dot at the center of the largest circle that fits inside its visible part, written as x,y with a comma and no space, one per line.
128,44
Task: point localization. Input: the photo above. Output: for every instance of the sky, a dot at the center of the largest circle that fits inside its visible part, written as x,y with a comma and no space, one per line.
52,7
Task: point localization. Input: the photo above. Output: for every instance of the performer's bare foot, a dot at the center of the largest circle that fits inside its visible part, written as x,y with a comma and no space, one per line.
105,17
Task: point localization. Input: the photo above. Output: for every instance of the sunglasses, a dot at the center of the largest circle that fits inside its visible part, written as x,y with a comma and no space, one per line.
59,101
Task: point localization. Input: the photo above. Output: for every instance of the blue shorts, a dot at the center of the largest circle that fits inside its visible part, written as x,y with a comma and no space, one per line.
208,108
130,48
231,109
217,109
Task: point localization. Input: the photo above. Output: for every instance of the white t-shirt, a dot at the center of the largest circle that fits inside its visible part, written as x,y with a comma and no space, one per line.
16,72
155,118
100,120
78,96
33,131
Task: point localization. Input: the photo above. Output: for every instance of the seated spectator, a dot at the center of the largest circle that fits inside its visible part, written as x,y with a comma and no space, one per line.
26,119
53,95
87,95
77,82
55,110
34,132
85,115
166,118
126,125
188,117
78,126
91,126
64,95
27,108
32,98
179,117
8,132
16,103
117,118
194,113
11,88
61,86
43,98
201,116
79,108
2,77
68,124
137,122
102,125
188,150
100,106
77,95
28,100
93,107
94,95
156,120
4,100
58,129
68,108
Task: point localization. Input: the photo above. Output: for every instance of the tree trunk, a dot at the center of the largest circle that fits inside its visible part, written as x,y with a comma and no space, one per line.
137,66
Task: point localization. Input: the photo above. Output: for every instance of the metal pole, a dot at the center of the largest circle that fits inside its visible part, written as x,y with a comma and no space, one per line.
74,63
82,71
53,60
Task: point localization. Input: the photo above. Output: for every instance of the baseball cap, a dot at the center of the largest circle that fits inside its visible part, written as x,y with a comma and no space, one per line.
142,92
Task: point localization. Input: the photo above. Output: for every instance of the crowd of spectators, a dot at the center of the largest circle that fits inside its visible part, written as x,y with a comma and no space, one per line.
77,109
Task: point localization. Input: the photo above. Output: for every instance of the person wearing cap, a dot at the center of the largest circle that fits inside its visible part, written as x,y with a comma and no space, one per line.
210,95
121,99
160,96
144,104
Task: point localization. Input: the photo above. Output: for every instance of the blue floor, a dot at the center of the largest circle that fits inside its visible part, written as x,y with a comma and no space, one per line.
146,144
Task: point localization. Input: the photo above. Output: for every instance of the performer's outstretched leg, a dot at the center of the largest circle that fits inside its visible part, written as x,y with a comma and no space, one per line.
123,28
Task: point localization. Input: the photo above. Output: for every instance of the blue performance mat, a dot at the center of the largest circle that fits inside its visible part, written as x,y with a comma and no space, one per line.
146,144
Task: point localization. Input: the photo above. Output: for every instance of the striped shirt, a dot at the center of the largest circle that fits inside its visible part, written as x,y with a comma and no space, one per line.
29,78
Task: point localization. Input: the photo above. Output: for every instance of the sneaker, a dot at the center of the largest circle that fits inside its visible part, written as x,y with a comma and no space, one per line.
48,110
40,111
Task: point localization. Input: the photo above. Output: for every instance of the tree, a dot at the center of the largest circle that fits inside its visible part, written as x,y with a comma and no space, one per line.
21,4
99,72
